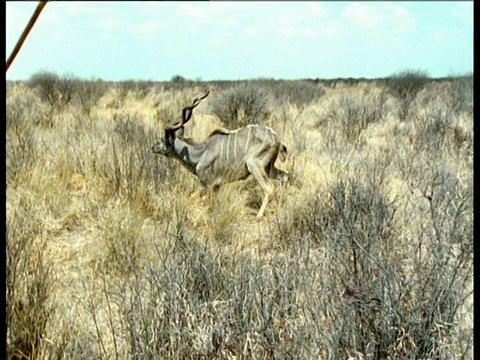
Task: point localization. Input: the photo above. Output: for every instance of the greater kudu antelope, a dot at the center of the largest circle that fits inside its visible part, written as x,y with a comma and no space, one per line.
226,156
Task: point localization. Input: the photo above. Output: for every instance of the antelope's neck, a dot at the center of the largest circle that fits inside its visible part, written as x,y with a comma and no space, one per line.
188,154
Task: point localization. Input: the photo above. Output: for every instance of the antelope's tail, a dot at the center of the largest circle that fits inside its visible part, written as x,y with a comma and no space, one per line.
283,152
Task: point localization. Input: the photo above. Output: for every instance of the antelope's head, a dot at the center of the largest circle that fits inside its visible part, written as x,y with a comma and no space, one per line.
165,146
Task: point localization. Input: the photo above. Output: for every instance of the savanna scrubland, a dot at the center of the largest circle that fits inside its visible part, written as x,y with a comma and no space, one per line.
367,253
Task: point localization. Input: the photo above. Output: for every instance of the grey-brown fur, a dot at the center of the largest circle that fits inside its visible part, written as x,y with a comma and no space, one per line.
226,156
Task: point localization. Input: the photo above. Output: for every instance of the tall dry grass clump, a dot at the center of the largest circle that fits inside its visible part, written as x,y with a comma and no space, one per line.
113,252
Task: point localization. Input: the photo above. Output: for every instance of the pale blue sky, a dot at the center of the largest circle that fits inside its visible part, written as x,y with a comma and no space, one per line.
241,40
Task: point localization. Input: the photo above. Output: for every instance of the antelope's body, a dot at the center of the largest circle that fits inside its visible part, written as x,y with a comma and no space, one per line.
227,156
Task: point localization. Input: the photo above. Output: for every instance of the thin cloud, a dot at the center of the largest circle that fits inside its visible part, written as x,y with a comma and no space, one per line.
308,21
86,9
464,12
204,10
378,17
401,19
17,18
297,32
316,10
362,15
332,29
290,19
250,31
148,28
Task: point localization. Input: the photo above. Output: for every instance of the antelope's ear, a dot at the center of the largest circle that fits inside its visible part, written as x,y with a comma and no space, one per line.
169,137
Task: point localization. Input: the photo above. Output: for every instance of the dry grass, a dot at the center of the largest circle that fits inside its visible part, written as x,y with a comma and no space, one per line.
113,252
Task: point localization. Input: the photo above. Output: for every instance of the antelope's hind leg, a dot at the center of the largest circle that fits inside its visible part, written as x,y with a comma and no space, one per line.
258,171
278,174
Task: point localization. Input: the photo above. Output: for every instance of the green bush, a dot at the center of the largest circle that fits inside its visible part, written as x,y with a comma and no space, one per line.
296,92
352,115
389,308
405,86
54,89
436,132
88,92
241,105
462,94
